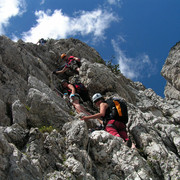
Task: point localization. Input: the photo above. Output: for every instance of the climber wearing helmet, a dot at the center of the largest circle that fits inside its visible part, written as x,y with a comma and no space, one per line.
72,63
112,126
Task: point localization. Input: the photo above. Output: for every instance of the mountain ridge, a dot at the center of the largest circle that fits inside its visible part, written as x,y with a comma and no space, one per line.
28,102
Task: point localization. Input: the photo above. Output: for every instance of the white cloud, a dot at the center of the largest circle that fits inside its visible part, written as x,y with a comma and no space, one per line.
114,2
42,2
134,68
59,25
8,9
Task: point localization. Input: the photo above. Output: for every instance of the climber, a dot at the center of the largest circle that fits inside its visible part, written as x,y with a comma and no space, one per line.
112,126
41,41
70,90
72,63
82,91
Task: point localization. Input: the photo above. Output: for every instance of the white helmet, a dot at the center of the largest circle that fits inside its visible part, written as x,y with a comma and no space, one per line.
96,97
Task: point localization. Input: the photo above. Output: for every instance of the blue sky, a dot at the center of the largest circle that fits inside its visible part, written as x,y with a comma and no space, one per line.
138,34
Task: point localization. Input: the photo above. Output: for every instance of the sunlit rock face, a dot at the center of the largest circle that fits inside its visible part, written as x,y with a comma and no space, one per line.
171,72
42,137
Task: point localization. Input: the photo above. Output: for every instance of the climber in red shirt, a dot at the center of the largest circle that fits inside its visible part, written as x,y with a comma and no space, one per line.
72,63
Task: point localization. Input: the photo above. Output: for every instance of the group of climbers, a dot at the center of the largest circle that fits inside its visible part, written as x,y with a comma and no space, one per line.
112,113
74,91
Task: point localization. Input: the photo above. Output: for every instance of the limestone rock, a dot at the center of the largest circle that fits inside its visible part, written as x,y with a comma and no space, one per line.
19,113
77,133
41,137
16,134
99,78
4,119
109,152
45,112
171,72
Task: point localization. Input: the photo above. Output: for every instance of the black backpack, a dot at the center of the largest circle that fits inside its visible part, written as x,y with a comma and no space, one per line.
118,110
80,88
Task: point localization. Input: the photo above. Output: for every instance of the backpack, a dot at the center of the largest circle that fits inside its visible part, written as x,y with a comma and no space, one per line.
118,110
80,88
71,60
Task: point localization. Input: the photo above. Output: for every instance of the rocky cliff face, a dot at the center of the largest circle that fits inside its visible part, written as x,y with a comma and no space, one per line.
42,138
171,72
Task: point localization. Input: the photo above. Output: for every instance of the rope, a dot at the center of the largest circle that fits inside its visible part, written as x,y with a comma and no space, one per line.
58,91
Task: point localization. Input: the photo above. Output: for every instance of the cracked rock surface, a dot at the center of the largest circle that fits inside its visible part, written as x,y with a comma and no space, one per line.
41,136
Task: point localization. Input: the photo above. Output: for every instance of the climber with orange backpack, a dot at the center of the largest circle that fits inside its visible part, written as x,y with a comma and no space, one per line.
72,63
114,115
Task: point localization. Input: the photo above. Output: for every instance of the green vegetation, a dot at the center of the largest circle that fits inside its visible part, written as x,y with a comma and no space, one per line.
72,113
150,164
100,61
155,157
114,67
48,129
64,157
27,107
27,146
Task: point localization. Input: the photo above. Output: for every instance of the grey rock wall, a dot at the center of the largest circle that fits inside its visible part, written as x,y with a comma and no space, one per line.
171,72
41,136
